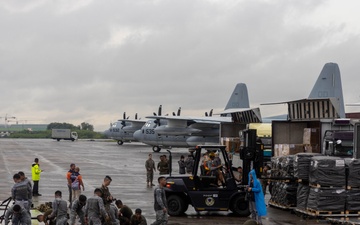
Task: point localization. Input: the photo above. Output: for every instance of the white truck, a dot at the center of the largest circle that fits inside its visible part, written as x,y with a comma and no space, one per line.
65,134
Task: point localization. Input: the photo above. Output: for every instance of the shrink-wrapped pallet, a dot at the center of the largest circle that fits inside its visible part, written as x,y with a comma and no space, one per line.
302,165
353,200
327,171
302,196
282,167
353,179
326,199
284,193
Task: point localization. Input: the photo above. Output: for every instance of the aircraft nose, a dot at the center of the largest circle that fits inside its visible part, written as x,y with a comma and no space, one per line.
107,133
138,135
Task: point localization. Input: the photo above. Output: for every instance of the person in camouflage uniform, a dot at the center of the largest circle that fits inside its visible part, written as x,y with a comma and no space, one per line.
163,166
94,208
150,169
106,195
77,209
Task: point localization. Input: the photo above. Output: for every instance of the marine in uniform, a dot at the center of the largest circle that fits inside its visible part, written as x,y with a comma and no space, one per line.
19,216
94,209
150,168
77,209
125,213
106,195
21,192
160,204
163,166
137,218
59,211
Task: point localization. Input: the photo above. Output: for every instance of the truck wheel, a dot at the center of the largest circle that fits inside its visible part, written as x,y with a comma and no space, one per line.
58,139
156,148
120,142
72,139
176,205
239,206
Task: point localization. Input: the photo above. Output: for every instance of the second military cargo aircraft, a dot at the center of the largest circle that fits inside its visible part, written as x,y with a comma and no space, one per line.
180,131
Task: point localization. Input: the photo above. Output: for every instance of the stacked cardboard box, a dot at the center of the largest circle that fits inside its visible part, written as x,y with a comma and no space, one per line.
232,144
311,139
288,149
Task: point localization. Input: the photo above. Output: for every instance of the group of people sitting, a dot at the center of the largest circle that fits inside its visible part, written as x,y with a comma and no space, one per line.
99,209
88,210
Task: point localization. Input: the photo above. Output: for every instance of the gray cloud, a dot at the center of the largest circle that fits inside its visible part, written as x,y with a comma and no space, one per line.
91,60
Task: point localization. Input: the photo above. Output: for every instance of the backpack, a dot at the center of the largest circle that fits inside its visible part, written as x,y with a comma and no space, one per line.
75,185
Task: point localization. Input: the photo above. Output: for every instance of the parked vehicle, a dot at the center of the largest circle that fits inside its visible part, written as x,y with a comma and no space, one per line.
64,134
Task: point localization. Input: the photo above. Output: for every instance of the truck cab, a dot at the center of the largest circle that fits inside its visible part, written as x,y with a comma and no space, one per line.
338,143
210,187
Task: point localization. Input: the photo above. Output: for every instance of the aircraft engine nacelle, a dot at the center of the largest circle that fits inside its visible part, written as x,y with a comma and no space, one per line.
163,130
130,129
198,140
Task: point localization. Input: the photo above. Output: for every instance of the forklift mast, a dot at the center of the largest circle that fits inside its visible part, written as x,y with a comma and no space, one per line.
251,152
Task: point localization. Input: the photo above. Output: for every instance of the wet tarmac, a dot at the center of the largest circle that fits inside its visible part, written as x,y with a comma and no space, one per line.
125,164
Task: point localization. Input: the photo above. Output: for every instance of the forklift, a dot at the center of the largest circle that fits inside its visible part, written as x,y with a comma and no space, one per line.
204,191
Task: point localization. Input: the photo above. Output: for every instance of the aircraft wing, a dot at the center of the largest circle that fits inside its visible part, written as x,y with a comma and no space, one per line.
180,120
131,125
183,125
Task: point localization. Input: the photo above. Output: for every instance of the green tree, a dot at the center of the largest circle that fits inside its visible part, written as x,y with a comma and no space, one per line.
86,126
56,125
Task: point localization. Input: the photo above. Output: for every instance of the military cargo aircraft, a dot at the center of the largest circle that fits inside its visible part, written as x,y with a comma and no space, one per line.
327,86
123,130
180,131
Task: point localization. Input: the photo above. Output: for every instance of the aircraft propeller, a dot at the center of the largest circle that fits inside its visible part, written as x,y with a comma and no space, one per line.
209,114
160,109
157,121
178,112
123,120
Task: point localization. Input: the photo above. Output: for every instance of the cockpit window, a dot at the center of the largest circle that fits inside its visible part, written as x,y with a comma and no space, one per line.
344,148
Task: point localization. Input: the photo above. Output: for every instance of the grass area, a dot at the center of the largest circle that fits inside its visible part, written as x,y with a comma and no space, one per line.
82,134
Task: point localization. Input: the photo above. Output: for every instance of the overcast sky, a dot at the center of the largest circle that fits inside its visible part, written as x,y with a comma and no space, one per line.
75,61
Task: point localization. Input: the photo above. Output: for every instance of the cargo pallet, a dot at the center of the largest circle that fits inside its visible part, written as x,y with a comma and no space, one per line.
324,212
319,213
280,206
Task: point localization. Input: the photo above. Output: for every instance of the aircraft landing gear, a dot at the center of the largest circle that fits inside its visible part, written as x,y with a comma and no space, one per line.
120,142
156,148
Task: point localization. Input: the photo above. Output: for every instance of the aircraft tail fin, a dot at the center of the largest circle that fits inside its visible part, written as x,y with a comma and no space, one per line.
328,85
239,98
